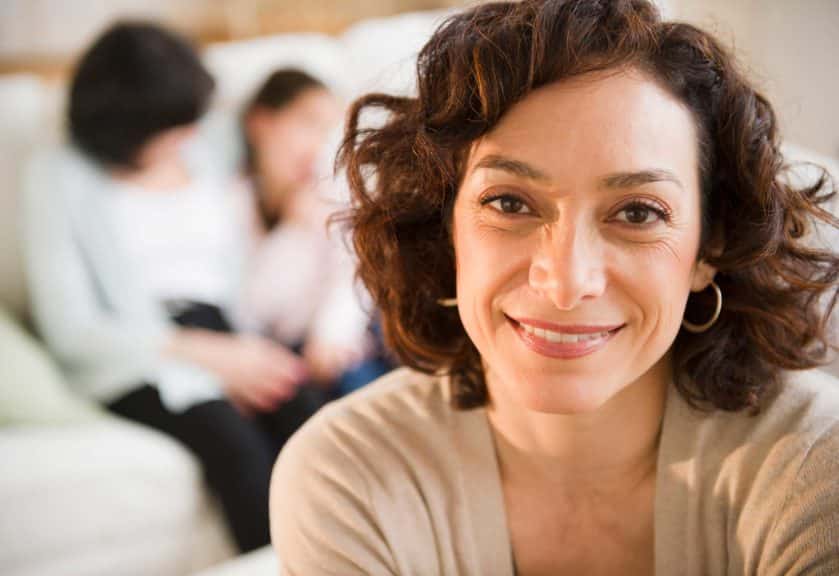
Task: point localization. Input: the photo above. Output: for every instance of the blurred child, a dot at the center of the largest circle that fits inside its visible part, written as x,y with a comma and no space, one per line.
300,286
134,257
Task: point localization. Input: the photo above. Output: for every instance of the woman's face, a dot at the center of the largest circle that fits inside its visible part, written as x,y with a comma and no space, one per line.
576,232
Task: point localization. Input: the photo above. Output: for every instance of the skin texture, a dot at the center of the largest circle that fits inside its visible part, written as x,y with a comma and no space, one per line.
556,231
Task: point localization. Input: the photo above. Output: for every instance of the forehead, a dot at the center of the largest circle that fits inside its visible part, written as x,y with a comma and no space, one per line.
589,125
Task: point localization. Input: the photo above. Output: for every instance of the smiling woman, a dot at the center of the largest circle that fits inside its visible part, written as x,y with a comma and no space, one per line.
581,238
583,242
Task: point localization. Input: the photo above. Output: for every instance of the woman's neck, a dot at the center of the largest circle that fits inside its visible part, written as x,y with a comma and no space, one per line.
610,449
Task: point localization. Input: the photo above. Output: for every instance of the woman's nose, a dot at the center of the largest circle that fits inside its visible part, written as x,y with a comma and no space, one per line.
568,266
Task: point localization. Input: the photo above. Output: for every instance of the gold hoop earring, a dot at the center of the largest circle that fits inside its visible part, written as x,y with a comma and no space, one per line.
447,302
699,328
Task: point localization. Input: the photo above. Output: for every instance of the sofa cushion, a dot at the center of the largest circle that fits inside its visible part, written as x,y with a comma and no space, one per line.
261,562
32,390
103,498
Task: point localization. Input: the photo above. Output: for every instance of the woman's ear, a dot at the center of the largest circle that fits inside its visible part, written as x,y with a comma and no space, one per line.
703,273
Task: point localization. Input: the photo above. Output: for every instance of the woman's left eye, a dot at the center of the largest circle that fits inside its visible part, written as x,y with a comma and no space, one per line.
508,204
639,214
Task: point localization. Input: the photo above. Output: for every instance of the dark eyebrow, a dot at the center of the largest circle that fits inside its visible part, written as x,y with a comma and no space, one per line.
612,181
512,166
633,179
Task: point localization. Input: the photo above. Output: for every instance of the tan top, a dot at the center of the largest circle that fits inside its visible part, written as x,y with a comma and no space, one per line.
391,480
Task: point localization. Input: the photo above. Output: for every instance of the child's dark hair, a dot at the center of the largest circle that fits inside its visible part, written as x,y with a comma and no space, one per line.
283,86
135,81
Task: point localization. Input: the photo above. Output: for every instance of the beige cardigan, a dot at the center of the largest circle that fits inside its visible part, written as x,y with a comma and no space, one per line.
391,480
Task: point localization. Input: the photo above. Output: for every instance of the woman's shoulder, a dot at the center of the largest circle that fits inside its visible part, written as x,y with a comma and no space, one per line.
806,405
798,429
804,408
770,477
802,413
346,483
809,401
401,413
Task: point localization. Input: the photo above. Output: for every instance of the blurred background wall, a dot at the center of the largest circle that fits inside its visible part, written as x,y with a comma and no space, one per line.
45,33
791,48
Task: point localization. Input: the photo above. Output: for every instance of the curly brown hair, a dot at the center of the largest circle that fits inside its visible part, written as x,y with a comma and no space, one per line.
780,288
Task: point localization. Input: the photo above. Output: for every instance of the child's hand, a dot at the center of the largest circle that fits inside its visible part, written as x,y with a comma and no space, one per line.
327,361
259,374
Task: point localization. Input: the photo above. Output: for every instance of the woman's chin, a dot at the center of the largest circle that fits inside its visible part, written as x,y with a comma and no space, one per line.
562,396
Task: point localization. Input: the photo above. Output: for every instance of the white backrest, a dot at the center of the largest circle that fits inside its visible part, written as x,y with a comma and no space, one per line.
381,53
29,116
240,67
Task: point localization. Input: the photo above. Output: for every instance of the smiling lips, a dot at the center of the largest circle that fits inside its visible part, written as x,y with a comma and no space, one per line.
557,341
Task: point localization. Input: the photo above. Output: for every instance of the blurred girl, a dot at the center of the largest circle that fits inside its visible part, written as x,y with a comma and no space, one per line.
300,286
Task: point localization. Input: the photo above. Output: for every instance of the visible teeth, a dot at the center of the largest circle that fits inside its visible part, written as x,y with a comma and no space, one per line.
552,336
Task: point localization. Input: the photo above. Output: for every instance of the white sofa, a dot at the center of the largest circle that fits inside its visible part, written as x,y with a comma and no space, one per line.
83,493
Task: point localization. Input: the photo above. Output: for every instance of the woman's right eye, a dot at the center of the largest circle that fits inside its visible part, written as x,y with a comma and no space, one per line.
507,204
